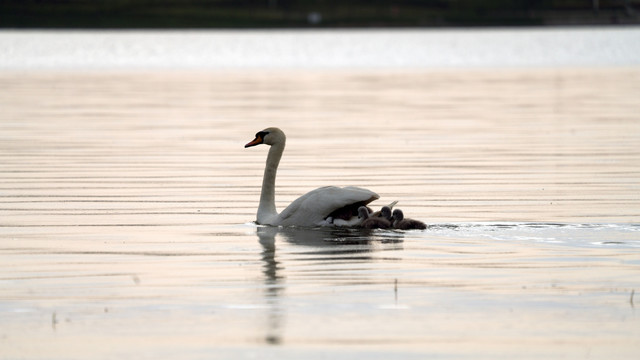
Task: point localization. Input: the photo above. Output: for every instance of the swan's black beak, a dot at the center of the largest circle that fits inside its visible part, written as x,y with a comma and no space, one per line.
257,141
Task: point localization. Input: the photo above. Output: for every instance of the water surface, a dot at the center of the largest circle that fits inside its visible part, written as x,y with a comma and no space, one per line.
322,49
127,201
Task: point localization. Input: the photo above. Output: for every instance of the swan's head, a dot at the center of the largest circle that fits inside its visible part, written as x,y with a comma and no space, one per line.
268,136
386,212
398,215
363,213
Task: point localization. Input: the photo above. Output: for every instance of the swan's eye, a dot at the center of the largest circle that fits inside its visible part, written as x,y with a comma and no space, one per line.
262,134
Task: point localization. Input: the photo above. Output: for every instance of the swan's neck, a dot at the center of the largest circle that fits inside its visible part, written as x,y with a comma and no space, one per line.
267,208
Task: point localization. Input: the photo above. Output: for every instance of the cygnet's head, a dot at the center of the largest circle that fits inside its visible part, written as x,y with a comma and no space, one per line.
386,212
363,213
268,136
398,215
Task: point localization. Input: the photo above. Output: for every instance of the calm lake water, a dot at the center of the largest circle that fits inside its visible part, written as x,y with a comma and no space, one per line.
127,203
331,49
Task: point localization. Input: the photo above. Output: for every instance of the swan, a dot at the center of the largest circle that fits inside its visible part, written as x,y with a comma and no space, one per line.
319,207
386,213
348,220
369,222
399,222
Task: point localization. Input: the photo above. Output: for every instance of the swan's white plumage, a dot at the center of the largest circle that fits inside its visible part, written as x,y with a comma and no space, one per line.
311,209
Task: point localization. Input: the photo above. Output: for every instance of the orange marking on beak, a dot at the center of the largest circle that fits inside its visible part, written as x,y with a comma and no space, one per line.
254,142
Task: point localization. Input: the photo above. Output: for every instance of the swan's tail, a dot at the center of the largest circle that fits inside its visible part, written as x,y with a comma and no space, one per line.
392,204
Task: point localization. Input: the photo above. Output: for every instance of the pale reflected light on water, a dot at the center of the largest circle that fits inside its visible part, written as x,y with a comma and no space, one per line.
127,201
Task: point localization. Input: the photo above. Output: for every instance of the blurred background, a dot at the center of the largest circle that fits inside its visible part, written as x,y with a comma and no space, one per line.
311,13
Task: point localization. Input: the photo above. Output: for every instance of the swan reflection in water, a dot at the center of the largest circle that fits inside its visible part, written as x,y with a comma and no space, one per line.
347,245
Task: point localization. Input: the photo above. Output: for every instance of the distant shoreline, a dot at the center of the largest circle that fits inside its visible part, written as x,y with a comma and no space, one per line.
174,14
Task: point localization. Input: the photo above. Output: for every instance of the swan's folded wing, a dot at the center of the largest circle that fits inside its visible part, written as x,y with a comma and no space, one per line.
313,207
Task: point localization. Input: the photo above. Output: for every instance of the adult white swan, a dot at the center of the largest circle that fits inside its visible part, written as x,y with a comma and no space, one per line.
316,208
